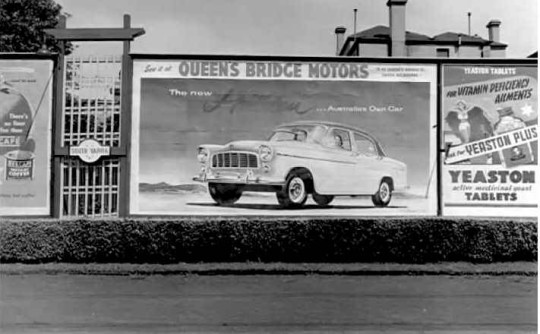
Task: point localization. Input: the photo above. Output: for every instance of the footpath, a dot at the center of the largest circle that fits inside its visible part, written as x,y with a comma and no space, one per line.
256,268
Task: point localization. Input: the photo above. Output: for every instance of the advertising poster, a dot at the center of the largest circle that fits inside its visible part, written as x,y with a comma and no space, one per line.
491,140
25,136
215,137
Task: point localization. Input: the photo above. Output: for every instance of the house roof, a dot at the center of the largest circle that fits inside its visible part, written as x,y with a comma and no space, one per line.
452,37
381,34
455,37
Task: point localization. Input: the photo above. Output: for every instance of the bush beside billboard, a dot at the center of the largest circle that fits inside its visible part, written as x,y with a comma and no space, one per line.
491,140
25,136
234,137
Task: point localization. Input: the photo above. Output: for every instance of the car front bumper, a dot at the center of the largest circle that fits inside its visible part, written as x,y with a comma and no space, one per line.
244,177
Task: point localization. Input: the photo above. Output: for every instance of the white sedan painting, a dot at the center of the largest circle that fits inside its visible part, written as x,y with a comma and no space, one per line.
316,158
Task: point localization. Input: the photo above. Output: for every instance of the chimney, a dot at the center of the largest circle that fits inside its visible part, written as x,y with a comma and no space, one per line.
340,38
493,30
397,27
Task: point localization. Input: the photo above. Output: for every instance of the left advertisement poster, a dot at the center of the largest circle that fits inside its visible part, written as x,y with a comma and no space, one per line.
283,137
25,136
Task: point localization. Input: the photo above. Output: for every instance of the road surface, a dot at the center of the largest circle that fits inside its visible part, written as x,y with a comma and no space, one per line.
267,304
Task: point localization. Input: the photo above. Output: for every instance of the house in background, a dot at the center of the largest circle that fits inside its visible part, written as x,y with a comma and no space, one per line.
395,41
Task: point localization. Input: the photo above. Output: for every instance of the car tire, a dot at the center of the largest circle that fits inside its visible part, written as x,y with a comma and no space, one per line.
383,195
294,193
224,194
322,200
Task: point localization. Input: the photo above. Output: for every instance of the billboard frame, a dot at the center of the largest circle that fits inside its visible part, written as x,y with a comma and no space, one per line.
57,96
502,62
438,62
53,57
432,156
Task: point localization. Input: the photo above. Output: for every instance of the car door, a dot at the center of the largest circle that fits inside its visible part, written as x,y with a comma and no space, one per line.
334,173
368,163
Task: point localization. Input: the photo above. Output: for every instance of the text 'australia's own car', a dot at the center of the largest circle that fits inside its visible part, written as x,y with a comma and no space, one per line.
316,158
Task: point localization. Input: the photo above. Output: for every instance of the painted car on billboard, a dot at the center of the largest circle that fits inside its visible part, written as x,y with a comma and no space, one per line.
321,159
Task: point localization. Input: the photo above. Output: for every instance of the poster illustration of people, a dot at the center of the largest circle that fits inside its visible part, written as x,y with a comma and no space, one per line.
491,139
25,136
234,137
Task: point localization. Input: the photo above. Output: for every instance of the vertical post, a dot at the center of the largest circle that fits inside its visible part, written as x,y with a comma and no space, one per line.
440,139
357,51
340,36
57,120
397,28
469,23
125,117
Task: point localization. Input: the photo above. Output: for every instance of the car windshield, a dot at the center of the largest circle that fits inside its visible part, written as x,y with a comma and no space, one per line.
304,133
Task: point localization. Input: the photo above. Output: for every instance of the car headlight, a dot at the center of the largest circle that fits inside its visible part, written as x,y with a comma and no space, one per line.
266,153
202,155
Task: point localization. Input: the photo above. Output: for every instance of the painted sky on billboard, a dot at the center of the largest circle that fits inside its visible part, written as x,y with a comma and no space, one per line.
177,115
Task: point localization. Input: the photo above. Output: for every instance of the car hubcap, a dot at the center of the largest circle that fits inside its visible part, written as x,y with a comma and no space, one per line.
296,190
384,192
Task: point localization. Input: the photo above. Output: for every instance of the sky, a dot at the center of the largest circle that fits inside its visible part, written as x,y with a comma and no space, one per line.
290,27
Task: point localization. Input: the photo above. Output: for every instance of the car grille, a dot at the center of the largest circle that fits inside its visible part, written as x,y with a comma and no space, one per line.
235,160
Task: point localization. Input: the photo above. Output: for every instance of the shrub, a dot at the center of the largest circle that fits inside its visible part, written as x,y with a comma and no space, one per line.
410,240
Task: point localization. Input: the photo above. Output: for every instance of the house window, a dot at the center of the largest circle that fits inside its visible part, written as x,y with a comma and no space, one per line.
443,53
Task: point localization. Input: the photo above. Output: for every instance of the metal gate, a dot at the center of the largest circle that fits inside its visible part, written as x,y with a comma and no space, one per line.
91,110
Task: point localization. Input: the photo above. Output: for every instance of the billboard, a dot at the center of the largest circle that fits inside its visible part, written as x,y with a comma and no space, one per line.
277,137
25,136
490,134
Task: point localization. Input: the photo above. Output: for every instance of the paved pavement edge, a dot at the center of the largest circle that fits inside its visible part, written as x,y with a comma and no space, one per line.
124,269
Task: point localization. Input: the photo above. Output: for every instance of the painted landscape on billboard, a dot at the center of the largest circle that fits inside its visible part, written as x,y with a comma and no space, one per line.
230,146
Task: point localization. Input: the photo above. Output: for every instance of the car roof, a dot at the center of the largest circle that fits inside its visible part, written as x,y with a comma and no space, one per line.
338,125
328,124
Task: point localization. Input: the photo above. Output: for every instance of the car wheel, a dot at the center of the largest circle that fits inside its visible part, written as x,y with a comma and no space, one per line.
294,194
224,194
383,195
322,200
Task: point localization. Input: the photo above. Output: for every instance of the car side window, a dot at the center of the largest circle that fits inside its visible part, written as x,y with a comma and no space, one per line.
341,139
364,145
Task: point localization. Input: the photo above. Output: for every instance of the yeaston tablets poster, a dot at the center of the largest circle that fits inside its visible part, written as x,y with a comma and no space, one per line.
491,140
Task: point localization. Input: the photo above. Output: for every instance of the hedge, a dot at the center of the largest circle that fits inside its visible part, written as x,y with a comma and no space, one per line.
411,240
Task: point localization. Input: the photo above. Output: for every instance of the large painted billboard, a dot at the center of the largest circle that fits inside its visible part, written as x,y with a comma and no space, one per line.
491,140
25,136
234,137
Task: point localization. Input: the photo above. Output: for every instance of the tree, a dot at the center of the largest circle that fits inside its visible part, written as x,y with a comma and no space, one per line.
22,23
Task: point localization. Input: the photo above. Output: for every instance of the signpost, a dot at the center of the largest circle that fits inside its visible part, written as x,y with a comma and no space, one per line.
90,150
